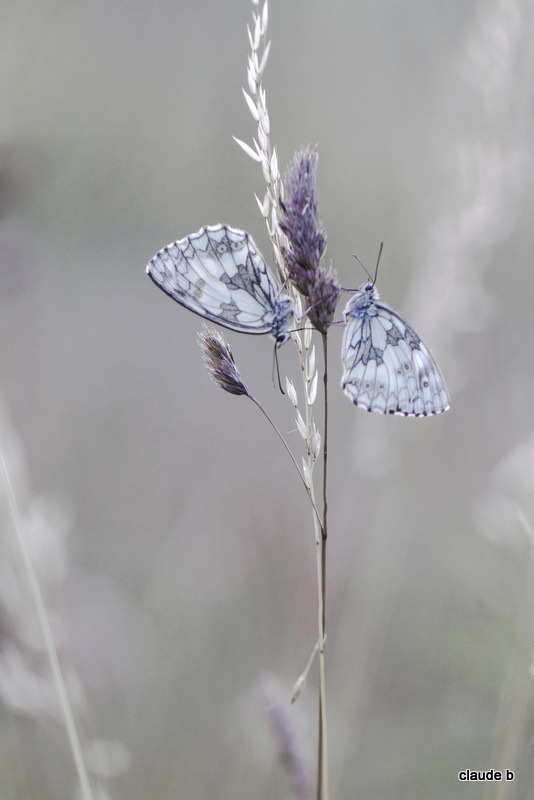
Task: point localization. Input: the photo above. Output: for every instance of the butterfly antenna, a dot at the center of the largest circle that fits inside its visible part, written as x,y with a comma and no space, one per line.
373,280
363,265
378,261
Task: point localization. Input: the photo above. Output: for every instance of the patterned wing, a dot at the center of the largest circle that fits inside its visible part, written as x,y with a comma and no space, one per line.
387,368
220,274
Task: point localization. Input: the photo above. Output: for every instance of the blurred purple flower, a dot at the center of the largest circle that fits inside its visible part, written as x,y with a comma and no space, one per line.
273,696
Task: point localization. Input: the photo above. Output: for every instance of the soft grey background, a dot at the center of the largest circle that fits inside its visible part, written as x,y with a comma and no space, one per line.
189,565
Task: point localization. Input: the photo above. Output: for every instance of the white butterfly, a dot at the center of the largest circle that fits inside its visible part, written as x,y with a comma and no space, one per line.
387,368
220,274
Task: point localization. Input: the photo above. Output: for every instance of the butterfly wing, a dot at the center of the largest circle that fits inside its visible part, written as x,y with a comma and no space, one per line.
219,274
387,367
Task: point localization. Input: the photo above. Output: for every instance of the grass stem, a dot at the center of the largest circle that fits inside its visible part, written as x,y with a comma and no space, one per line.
57,675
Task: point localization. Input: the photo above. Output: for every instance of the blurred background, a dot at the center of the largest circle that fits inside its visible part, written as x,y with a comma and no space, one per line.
173,540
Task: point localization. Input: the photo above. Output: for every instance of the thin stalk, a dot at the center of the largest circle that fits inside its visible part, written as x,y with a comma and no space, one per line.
325,447
288,449
59,682
322,756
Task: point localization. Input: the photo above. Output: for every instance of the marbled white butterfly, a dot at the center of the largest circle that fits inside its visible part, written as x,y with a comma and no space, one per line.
220,274
387,368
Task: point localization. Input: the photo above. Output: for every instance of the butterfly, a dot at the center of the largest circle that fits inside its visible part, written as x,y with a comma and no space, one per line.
220,274
387,367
